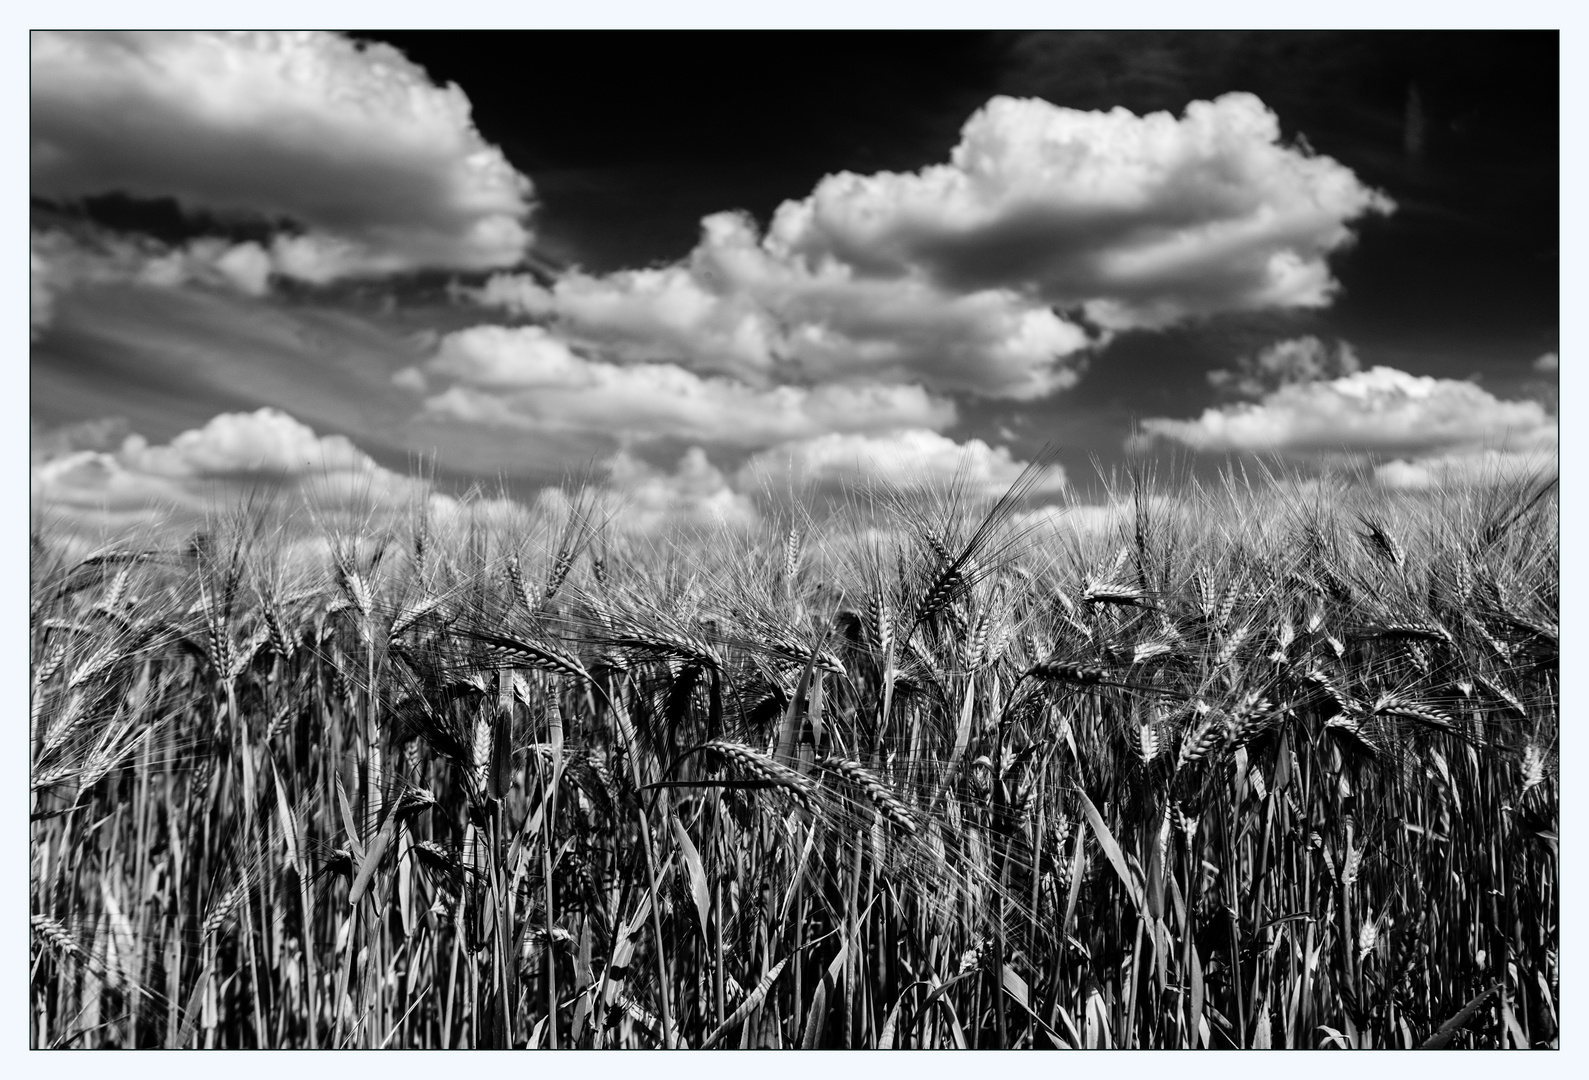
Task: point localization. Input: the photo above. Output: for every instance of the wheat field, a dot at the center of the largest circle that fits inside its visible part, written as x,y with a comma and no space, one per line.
1247,765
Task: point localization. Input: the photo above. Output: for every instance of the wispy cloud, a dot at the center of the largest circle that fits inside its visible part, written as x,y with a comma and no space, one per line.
170,357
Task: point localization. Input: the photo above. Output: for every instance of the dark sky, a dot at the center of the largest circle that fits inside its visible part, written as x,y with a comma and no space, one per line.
630,139
637,129
633,137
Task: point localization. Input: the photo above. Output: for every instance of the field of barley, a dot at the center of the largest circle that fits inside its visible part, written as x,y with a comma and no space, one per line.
1254,764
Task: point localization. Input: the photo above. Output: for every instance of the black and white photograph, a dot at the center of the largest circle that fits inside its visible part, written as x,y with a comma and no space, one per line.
794,539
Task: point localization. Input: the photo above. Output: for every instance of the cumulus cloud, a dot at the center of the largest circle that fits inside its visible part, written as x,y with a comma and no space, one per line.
231,456
1381,410
1286,363
378,169
665,314
1140,221
517,293
906,460
738,307
264,442
528,378
1547,363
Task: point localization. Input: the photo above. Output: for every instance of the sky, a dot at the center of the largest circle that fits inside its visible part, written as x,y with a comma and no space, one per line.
695,267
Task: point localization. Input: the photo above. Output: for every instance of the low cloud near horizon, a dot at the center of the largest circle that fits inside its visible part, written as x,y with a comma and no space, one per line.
113,484
901,461
101,477
1309,401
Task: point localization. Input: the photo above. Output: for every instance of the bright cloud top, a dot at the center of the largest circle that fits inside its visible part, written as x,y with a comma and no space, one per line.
1142,221
262,442
527,378
383,170
904,460
1381,410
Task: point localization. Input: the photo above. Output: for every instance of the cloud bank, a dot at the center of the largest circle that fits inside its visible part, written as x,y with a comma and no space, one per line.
98,477
378,169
